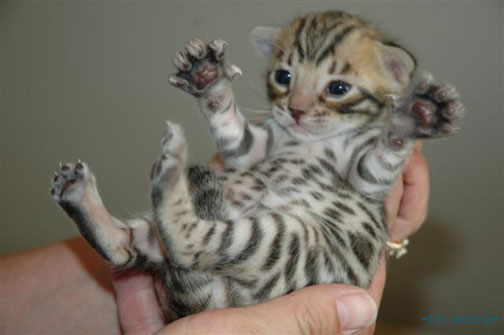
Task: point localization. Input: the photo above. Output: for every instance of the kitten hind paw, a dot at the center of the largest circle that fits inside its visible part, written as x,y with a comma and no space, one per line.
71,181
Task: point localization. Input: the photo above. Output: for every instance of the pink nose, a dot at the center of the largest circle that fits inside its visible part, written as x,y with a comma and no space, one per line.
296,113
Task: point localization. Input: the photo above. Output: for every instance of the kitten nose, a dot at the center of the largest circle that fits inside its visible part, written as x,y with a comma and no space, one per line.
296,113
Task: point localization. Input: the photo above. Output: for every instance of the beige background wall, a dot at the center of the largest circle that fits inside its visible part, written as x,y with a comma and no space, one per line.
88,80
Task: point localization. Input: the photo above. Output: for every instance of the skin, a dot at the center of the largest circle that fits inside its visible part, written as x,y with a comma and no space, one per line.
73,286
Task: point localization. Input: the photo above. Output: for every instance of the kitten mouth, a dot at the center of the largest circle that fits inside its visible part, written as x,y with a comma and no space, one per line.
299,128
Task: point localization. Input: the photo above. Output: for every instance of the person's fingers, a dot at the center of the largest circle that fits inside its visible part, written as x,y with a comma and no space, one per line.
138,309
378,282
320,309
414,204
393,202
376,287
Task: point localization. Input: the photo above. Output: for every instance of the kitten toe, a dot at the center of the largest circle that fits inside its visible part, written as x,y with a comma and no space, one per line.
218,48
181,62
434,108
426,81
196,48
69,181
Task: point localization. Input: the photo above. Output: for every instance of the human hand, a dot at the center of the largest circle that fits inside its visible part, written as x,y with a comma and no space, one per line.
327,309
318,309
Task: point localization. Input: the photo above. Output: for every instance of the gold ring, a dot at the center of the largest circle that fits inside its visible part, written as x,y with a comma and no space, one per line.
397,250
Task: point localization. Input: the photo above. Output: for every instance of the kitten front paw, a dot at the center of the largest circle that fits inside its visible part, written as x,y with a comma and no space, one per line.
200,66
171,162
435,108
71,182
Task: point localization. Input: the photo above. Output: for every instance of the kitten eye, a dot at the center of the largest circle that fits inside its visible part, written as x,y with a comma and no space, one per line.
338,87
283,77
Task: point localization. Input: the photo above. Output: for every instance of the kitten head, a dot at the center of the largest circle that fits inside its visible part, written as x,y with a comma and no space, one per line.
330,72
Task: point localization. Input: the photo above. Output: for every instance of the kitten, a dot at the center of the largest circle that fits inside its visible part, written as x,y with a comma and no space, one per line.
302,199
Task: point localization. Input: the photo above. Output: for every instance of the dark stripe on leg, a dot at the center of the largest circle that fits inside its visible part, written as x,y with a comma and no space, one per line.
83,224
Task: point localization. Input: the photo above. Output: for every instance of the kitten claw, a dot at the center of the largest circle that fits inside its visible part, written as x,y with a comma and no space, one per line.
233,71
201,65
426,81
434,108
181,62
66,184
177,81
196,48
218,47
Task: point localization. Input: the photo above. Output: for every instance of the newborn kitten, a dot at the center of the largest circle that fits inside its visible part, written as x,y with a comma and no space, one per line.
302,199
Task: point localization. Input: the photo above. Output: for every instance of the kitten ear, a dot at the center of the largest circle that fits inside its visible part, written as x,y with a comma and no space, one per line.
263,38
398,63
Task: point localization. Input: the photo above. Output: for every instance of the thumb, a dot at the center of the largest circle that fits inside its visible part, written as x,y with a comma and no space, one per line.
321,309
138,309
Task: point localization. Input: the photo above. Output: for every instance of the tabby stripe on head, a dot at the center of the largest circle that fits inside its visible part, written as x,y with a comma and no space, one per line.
276,245
367,95
336,40
349,107
297,41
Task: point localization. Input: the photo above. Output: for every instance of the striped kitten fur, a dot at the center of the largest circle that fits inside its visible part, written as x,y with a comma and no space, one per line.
302,199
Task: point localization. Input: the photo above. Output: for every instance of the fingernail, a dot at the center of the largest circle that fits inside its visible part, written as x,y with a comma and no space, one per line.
356,311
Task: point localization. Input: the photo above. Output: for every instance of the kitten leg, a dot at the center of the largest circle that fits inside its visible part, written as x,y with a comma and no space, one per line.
430,111
202,244
129,244
203,73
